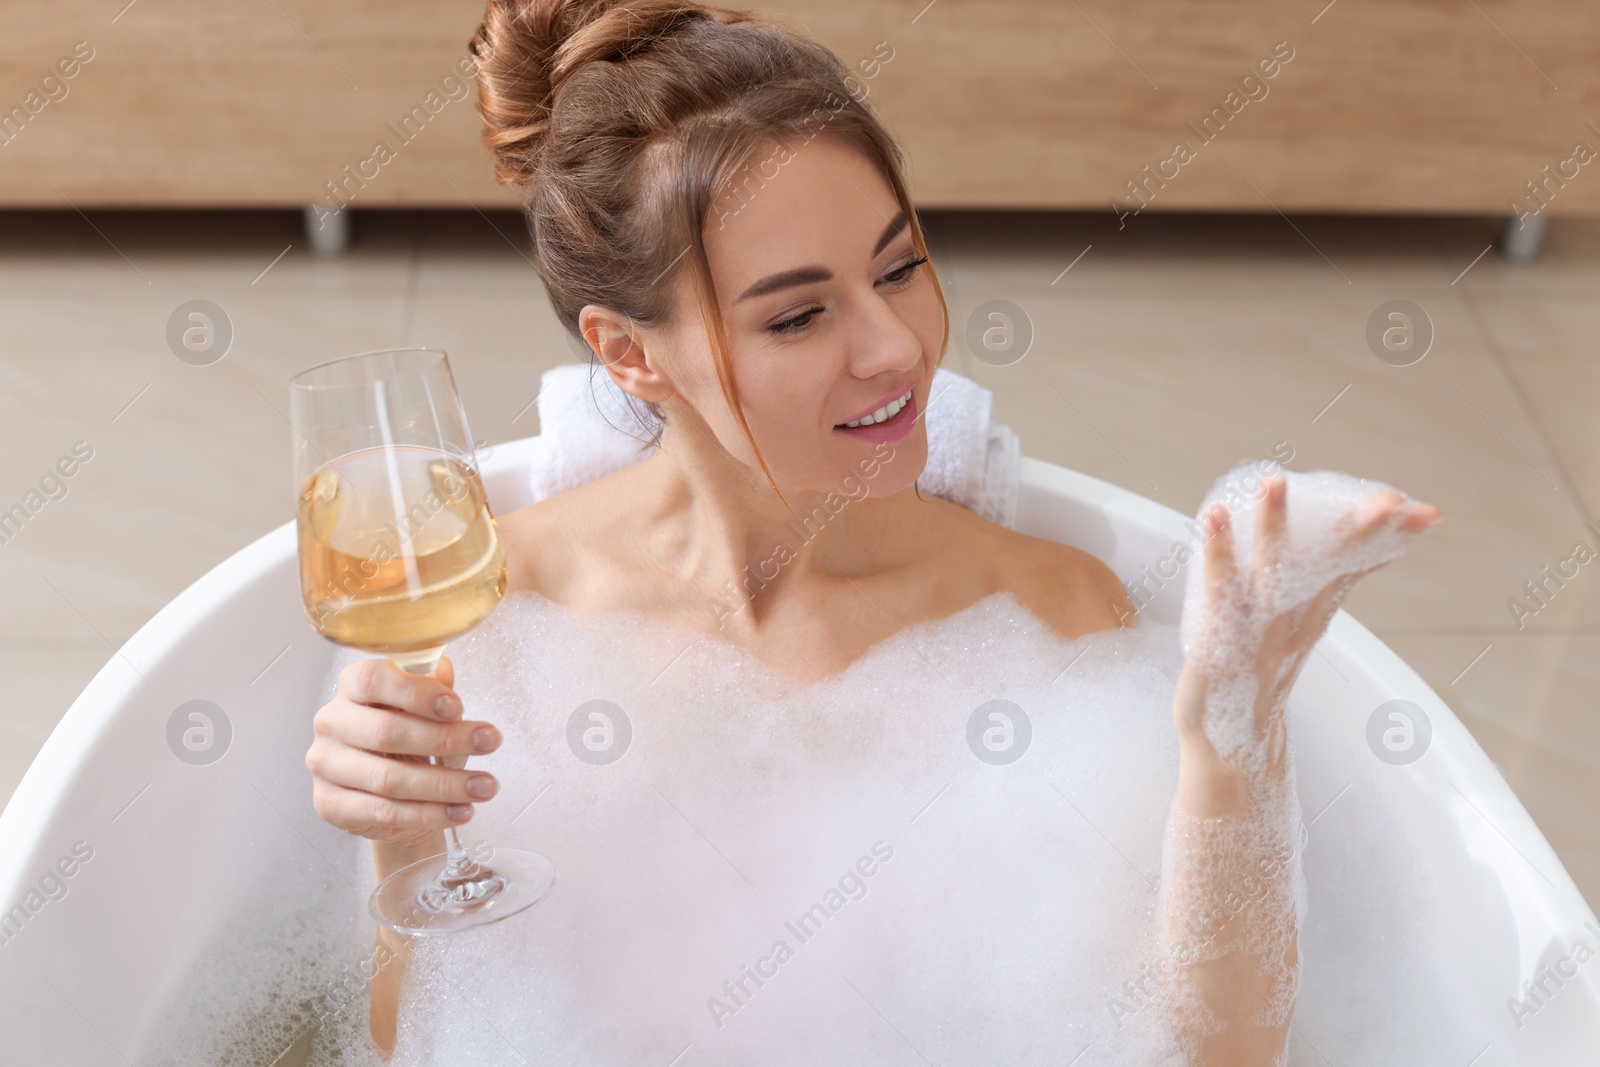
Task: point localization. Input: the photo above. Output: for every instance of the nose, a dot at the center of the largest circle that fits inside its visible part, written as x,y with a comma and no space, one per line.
885,345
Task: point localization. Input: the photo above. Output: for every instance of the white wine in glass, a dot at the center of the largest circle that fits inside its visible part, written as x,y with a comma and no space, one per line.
399,555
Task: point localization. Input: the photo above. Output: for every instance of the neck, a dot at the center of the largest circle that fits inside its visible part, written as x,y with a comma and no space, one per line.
716,524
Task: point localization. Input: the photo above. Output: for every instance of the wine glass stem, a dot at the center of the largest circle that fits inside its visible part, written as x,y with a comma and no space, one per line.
458,867
422,661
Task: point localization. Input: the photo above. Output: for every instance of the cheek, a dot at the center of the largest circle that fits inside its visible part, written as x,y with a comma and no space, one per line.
792,408
781,407
926,320
695,381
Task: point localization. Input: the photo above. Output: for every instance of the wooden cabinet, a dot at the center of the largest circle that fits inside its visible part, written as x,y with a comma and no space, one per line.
1406,106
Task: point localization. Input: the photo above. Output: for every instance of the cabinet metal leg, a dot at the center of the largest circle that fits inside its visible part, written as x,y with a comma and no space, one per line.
1523,238
327,229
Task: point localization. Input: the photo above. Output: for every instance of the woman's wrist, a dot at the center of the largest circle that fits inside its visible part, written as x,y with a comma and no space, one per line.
390,856
1210,785
1208,788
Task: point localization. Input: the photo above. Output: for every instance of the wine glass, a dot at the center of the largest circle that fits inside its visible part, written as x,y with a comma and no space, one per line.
399,555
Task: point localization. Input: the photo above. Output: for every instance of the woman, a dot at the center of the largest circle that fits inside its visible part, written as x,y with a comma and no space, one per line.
725,223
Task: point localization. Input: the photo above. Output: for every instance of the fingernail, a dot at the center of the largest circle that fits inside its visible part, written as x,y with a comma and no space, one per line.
447,705
480,786
485,738
458,812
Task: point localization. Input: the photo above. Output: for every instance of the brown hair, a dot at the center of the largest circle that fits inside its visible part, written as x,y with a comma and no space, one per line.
627,119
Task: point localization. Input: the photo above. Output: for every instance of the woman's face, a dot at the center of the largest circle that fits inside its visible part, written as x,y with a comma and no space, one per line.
830,316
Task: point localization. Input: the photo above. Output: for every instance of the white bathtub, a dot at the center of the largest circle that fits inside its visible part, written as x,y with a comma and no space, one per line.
178,849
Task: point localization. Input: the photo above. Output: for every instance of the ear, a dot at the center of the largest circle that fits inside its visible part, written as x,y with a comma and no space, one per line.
625,352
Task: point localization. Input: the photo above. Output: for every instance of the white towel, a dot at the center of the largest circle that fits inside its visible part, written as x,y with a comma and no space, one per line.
587,430
972,460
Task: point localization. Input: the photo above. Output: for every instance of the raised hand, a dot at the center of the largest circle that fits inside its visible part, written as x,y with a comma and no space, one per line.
1258,619
1250,618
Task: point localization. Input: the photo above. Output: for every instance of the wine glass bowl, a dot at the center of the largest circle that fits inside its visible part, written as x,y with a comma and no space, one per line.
399,555
398,587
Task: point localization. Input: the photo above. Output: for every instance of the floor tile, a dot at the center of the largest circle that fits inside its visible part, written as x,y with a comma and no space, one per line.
1549,344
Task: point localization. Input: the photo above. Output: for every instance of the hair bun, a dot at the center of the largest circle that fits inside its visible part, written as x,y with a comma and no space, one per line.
526,49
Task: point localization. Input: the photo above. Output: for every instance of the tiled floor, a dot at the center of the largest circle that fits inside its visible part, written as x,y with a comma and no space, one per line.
1166,353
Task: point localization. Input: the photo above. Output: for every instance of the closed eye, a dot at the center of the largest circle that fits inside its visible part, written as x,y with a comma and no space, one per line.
898,278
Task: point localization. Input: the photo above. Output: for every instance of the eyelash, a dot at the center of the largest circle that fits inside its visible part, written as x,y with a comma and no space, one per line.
788,326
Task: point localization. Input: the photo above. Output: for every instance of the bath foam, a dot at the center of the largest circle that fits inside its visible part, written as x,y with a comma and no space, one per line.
1015,920
778,873
282,981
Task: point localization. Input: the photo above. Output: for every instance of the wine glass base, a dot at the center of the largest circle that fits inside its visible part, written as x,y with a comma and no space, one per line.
416,902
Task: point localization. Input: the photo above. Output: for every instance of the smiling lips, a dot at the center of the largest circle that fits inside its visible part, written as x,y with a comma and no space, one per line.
882,414
890,422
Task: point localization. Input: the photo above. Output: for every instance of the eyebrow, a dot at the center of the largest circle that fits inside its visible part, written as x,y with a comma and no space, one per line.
804,275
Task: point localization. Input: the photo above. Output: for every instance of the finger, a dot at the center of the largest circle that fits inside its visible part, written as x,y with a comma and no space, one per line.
385,730
1270,511
367,815
1365,519
1377,509
354,768
1419,517
1219,567
379,681
1388,507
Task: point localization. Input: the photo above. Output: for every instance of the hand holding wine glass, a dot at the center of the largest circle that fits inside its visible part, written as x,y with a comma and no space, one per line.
399,555
372,759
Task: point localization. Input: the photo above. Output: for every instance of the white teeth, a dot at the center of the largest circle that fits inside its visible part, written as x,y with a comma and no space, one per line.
888,411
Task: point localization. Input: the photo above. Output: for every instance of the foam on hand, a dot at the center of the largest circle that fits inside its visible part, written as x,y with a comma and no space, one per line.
1221,632
1235,886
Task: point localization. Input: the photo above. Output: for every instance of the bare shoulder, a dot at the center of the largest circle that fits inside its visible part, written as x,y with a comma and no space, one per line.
541,551
1071,590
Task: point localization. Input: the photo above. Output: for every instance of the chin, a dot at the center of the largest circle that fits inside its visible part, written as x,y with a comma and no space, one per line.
886,467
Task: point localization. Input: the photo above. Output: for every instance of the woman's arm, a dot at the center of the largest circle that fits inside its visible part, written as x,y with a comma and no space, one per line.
392,951
1232,885
372,777
1230,901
